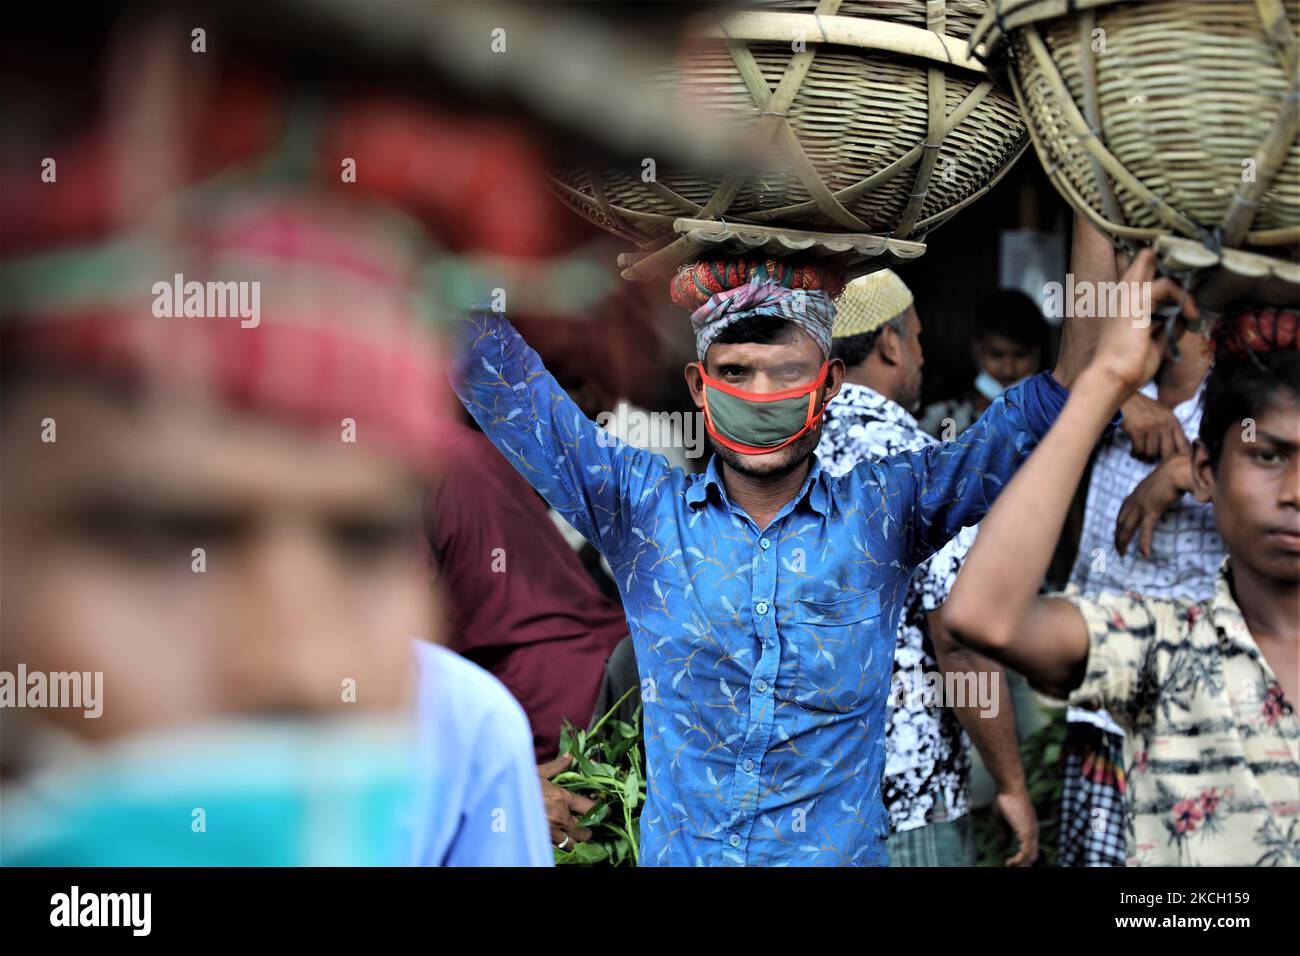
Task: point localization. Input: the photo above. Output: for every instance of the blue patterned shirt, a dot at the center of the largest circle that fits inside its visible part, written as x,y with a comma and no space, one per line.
765,655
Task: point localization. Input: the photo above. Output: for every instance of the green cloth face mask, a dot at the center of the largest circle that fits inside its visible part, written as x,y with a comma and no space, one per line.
755,423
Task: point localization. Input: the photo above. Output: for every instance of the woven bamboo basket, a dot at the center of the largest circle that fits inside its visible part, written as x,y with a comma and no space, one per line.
869,122
1167,122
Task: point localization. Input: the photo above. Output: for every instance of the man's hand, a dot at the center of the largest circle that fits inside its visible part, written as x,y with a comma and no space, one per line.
1154,431
1017,809
994,736
1129,349
1156,493
563,809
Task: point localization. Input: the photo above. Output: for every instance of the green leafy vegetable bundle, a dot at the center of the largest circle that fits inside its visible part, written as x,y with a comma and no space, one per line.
607,768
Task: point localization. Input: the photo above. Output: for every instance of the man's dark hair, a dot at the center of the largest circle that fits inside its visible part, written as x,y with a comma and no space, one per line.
1241,387
1012,315
853,350
758,329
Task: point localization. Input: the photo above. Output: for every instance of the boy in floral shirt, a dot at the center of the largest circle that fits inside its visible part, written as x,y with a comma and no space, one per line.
1205,690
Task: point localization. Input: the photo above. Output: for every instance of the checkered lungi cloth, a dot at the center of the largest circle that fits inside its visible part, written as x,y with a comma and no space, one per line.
947,843
1092,798
941,842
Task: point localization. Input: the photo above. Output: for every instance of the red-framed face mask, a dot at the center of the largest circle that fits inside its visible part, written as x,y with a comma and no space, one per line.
755,423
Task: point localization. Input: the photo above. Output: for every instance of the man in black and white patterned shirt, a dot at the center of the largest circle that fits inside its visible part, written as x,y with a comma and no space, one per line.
927,764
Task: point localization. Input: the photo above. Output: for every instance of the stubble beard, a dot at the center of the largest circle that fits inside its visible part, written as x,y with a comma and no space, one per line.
791,458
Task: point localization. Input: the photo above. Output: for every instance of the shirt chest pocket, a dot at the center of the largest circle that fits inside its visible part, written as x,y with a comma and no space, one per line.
836,643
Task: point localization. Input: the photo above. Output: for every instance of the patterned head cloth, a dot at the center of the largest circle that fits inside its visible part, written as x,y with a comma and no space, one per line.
695,281
811,311
869,302
302,311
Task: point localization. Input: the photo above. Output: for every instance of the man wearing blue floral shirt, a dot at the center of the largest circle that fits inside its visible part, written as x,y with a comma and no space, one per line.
763,596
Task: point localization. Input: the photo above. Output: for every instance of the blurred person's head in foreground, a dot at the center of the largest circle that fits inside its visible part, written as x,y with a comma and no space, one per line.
1247,457
878,336
214,438
764,373
1010,341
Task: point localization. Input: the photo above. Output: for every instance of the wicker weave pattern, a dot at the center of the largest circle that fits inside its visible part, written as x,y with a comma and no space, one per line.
1186,99
865,140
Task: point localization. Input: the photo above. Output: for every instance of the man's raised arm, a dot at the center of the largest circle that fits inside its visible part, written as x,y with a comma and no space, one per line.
595,481
952,485
994,606
1092,263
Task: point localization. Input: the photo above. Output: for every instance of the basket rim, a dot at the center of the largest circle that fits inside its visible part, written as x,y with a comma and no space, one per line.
699,238
1190,254
854,32
1005,16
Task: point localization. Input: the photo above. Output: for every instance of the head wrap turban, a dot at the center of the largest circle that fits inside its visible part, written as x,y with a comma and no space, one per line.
811,311
341,333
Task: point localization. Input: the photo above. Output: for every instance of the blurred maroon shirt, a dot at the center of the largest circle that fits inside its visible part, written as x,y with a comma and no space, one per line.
541,626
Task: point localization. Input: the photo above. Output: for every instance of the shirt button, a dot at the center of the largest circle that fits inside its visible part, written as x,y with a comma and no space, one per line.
749,765
761,607
735,839
761,687
764,543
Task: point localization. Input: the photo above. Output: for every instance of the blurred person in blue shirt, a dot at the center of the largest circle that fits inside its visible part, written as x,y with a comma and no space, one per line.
212,529
483,808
